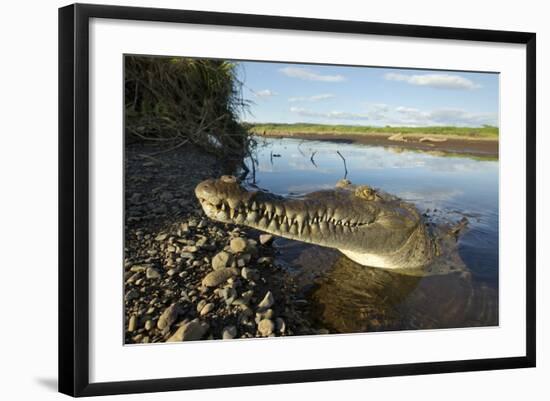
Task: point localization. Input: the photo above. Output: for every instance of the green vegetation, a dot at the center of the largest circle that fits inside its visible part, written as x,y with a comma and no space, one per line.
182,100
303,128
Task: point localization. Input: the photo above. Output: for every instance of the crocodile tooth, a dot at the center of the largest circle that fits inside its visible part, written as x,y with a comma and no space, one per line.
252,216
273,226
300,223
254,206
263,222
293,229
284,227
314,229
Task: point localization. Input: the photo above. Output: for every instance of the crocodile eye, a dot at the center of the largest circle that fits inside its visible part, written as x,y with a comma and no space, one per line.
365,192
343,183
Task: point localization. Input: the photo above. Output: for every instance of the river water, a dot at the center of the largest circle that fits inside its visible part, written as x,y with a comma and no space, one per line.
347,297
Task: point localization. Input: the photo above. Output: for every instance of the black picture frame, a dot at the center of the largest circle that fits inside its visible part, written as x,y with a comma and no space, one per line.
74,198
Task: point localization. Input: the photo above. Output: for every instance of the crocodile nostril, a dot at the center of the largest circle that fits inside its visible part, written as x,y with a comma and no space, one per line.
229,179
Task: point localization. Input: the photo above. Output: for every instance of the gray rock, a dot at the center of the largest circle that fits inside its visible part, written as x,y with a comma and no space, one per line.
266,327
221,260
229,295
168,317
249,274
215,278
265,260
207,309
267,302
194,330
152,273
266,239
238,244
229,332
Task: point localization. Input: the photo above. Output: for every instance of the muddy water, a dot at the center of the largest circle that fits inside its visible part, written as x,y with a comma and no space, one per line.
346,297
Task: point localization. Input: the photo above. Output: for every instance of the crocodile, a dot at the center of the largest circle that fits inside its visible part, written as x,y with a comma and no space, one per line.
369,226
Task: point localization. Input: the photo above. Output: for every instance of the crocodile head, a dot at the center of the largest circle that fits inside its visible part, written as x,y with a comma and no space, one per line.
370,227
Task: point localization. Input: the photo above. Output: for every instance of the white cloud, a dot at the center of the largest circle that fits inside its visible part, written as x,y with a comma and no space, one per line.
310,75
314,98
333,115
264,93
440,81
442,116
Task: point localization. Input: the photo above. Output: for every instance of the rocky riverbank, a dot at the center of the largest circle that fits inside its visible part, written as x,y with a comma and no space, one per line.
189,278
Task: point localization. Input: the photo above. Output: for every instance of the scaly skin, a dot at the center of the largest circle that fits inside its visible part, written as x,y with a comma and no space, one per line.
370,227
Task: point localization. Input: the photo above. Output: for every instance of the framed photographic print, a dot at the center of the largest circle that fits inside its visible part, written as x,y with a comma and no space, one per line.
249,199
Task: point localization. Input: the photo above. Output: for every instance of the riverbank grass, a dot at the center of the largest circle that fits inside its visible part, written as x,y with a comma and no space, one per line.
271,129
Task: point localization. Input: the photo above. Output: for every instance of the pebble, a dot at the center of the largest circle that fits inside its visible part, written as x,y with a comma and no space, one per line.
245,298
161,237
229,295
149,325
266,327
215,278
194,330
268,314
229,332
265,260
221,260
133,278
152,273
249,274
207,309
132,324
280,325
267,302
168,317
238,244
200,305
139,268
131,295
265,239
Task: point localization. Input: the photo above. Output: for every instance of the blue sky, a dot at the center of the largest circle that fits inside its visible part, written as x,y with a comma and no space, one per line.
290,93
